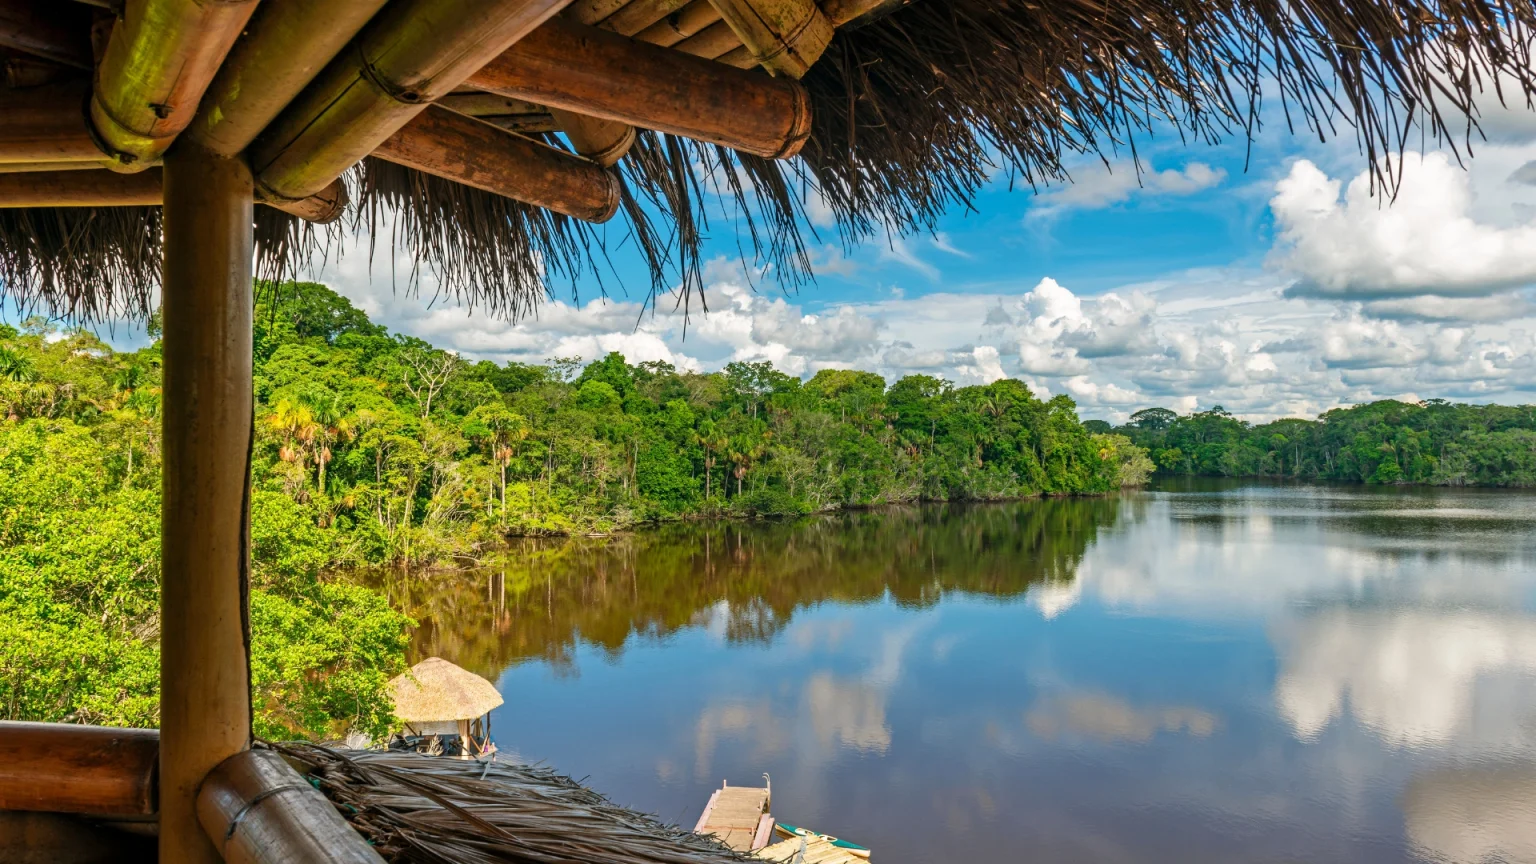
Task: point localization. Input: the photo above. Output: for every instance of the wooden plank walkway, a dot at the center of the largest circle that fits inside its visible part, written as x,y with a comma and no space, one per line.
735,815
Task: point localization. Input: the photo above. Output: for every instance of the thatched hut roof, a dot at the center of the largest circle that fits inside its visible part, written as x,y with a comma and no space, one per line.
428,810
913,104
437,691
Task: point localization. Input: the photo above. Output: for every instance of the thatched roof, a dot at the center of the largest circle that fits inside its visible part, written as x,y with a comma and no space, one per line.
912,110
430,810
436,691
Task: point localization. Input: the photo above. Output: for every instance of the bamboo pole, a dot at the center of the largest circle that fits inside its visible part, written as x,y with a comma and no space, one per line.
35,167
477,104
603,141
46,124
284,47
478,154
674,28
160,58
590,71
64,185
80,189
787,36
258,810
60,32
640,14
64,768
711,42
410,54
843,13
205,695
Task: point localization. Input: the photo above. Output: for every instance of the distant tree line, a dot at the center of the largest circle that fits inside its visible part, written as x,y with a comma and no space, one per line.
1433,442
378,449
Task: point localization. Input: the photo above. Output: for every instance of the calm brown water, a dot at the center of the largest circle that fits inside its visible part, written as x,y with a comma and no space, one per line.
1209,672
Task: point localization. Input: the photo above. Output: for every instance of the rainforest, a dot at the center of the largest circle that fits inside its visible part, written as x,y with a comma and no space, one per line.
377,450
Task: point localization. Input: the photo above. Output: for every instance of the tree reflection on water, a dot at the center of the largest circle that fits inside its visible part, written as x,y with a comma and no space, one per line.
539,598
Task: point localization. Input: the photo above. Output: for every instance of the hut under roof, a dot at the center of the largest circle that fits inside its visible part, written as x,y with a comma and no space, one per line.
166,151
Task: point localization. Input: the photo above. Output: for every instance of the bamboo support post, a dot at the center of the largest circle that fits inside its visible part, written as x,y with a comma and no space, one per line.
477,154
46,124
786,36
91,770
591,71
285,46
59,32
845,13
63,185
603,141
412,53
205,688
258,810
161,57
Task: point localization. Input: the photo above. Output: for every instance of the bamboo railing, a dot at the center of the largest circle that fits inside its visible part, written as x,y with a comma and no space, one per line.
254,807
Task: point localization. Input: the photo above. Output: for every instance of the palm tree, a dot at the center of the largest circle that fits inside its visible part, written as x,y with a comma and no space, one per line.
295,424
332,423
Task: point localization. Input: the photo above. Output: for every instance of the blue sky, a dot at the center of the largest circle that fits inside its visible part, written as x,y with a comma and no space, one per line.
1265,280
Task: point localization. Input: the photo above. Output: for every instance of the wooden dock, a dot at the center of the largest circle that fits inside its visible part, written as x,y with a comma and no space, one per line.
738,816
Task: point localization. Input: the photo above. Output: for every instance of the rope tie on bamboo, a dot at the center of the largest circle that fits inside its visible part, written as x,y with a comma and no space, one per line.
234,822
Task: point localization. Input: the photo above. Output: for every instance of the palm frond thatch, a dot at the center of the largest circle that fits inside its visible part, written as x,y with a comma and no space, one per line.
429,810
913,113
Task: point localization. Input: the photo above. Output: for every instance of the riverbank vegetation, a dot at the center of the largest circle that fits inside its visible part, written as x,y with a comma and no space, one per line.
1434,442
373,449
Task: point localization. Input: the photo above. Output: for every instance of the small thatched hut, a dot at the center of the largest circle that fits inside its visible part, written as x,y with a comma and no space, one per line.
437,698
486,139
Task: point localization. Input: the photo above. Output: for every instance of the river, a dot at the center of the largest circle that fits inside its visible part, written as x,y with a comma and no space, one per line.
1203,671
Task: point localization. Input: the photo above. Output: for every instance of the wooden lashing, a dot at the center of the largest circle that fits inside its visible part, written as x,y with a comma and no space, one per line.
786,36
205,701
465,150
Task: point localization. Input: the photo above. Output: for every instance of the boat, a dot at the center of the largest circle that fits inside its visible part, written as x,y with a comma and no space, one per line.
788,831
741,818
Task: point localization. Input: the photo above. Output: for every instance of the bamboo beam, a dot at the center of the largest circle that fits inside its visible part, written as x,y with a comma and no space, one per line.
844,13
285,46
640,14
46,124
603,141
412,53
60,32
38,167
786,36
80,189
64,768
686,21
257,810
711,42
65,185
478,154
160,58
205,695
479,104
590,71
